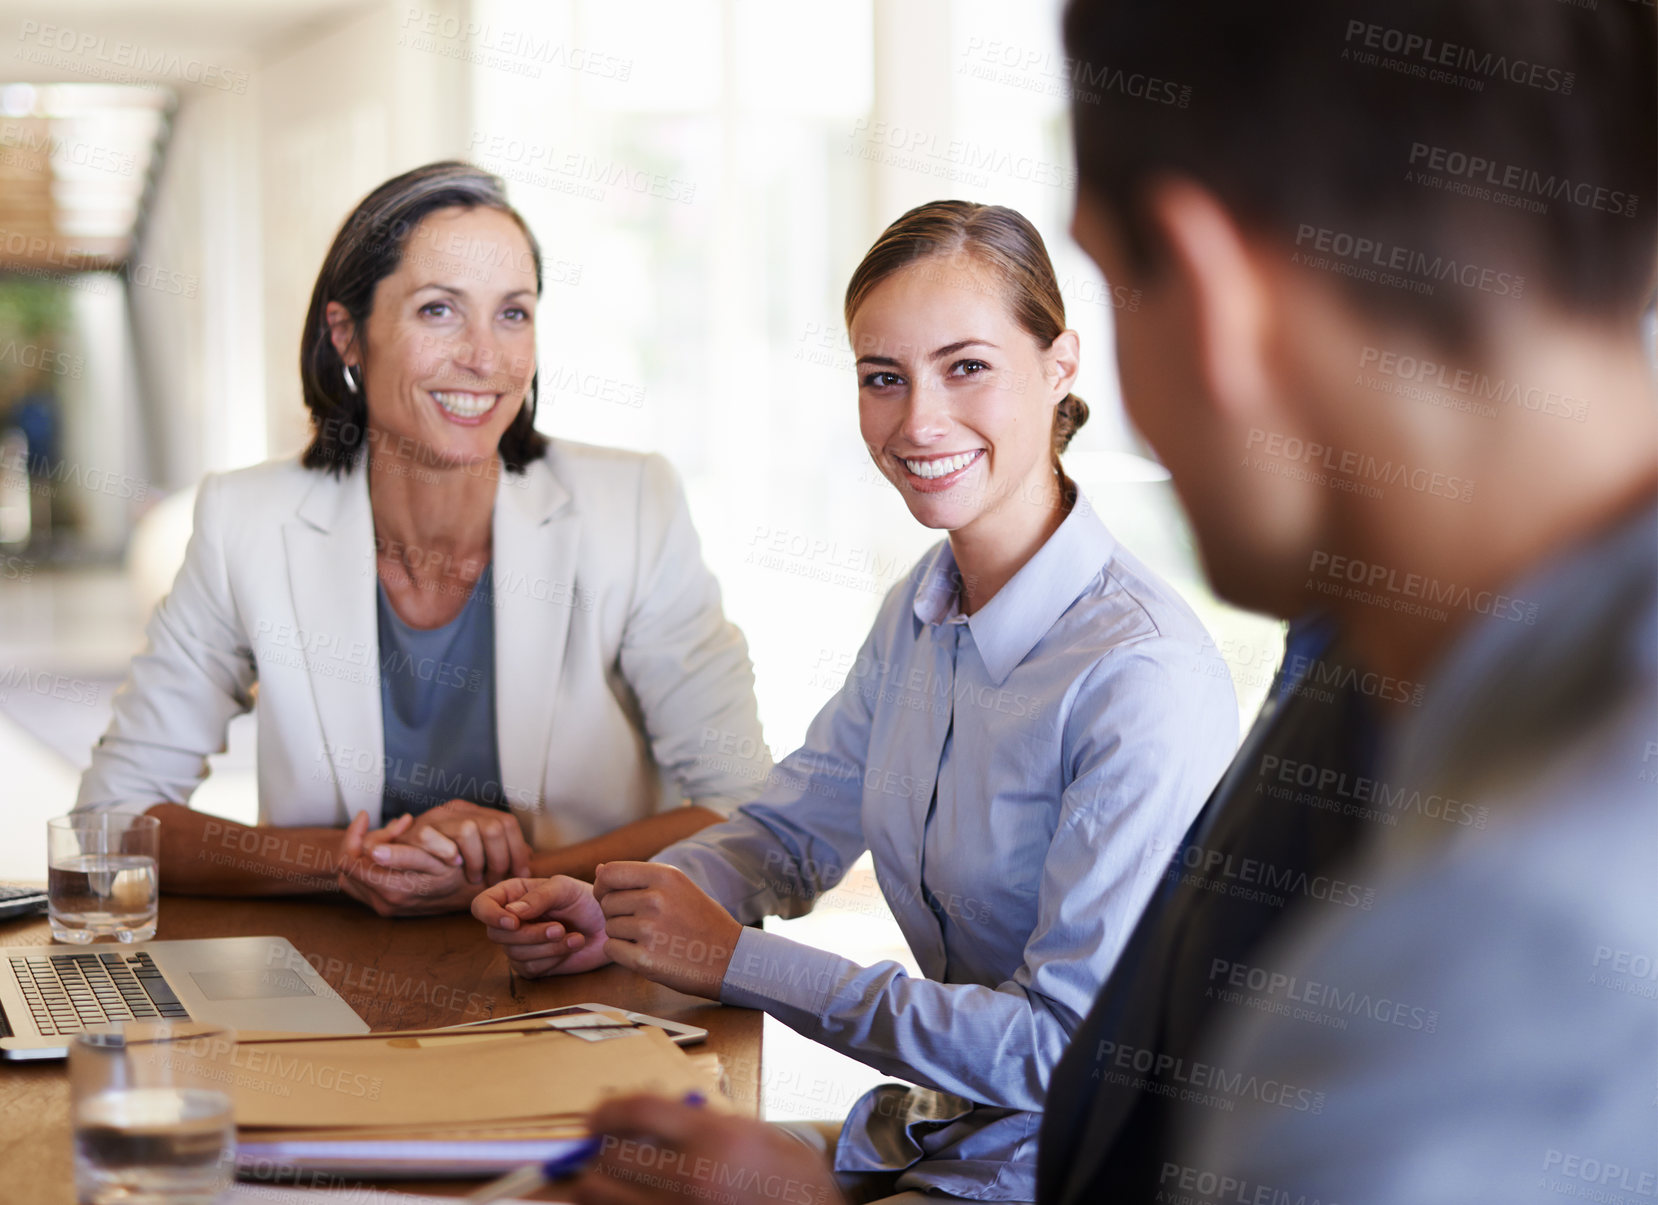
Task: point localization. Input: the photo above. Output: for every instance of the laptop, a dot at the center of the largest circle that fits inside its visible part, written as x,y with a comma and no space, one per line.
50,993
21,901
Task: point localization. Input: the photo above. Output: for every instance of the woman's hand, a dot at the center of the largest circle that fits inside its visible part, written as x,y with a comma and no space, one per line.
395,879
486,843
547,926
661,924
662,1152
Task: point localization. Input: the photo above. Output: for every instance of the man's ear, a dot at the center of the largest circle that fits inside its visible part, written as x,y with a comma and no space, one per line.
1230,299
342,332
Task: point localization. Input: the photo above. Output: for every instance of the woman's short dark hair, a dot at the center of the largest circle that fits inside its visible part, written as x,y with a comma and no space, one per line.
368,248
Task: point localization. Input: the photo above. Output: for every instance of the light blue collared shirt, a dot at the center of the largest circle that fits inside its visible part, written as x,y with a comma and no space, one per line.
1012,772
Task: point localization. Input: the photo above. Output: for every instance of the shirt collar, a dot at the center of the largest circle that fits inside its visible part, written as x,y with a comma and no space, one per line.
1009,626
1570,632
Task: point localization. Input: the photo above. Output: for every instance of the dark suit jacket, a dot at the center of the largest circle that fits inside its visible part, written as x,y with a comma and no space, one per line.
1292,807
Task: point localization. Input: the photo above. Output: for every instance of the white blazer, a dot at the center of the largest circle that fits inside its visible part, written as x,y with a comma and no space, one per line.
620,688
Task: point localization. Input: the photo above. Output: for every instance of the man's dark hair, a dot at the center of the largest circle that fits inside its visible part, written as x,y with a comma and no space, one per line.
368,248
1460,145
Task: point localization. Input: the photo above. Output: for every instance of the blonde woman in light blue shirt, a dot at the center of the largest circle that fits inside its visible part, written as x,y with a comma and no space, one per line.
1032,723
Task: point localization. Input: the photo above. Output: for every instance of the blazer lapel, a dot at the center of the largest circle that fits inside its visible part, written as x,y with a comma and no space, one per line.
537,536
331,570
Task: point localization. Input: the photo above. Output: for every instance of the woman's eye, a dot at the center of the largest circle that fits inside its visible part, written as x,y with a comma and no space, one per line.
882,380
516,313
968,368
435,309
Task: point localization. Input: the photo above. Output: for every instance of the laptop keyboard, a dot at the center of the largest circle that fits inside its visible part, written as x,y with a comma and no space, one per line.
67,993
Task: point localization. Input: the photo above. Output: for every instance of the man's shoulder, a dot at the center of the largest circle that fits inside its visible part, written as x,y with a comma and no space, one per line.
1493,1012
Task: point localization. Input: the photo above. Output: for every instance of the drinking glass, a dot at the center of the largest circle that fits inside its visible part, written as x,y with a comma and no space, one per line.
152,1113
101,876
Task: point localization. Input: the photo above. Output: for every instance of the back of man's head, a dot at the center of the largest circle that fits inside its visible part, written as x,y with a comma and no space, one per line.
1517,138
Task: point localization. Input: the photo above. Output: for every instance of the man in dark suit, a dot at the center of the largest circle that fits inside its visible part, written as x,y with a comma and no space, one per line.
1389,347
1391,262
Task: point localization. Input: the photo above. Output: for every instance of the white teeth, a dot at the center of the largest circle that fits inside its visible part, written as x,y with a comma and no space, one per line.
941,467
465,405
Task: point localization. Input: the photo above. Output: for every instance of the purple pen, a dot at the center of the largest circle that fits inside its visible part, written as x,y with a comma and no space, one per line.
533,1175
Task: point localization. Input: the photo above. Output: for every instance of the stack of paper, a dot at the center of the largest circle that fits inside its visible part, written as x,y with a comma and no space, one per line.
438,1103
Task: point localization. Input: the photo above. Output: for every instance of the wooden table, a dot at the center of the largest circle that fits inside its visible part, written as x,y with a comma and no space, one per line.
398,974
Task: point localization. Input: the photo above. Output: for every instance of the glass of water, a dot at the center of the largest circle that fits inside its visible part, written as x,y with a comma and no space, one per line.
151,1104
101,876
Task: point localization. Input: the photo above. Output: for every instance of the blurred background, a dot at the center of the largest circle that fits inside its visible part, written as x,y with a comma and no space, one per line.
703,176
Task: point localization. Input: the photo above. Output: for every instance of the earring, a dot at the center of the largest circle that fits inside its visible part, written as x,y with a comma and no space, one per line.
350,382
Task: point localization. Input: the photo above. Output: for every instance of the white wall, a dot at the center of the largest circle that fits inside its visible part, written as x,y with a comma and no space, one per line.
99,410
195,297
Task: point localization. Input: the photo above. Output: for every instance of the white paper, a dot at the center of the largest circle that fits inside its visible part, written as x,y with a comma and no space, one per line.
263,1194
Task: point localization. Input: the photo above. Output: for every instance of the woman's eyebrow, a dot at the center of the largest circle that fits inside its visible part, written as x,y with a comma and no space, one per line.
950,349
459,291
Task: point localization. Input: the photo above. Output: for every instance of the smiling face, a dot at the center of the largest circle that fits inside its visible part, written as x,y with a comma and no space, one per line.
955,399
448,352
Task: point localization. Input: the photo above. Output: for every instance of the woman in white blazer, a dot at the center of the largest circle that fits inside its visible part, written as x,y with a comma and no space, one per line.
429,571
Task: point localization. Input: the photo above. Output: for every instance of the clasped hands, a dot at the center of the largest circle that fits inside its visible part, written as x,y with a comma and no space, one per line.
646,916
434,862
651,918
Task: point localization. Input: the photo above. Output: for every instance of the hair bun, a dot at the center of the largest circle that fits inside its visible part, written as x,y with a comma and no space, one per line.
1071,414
